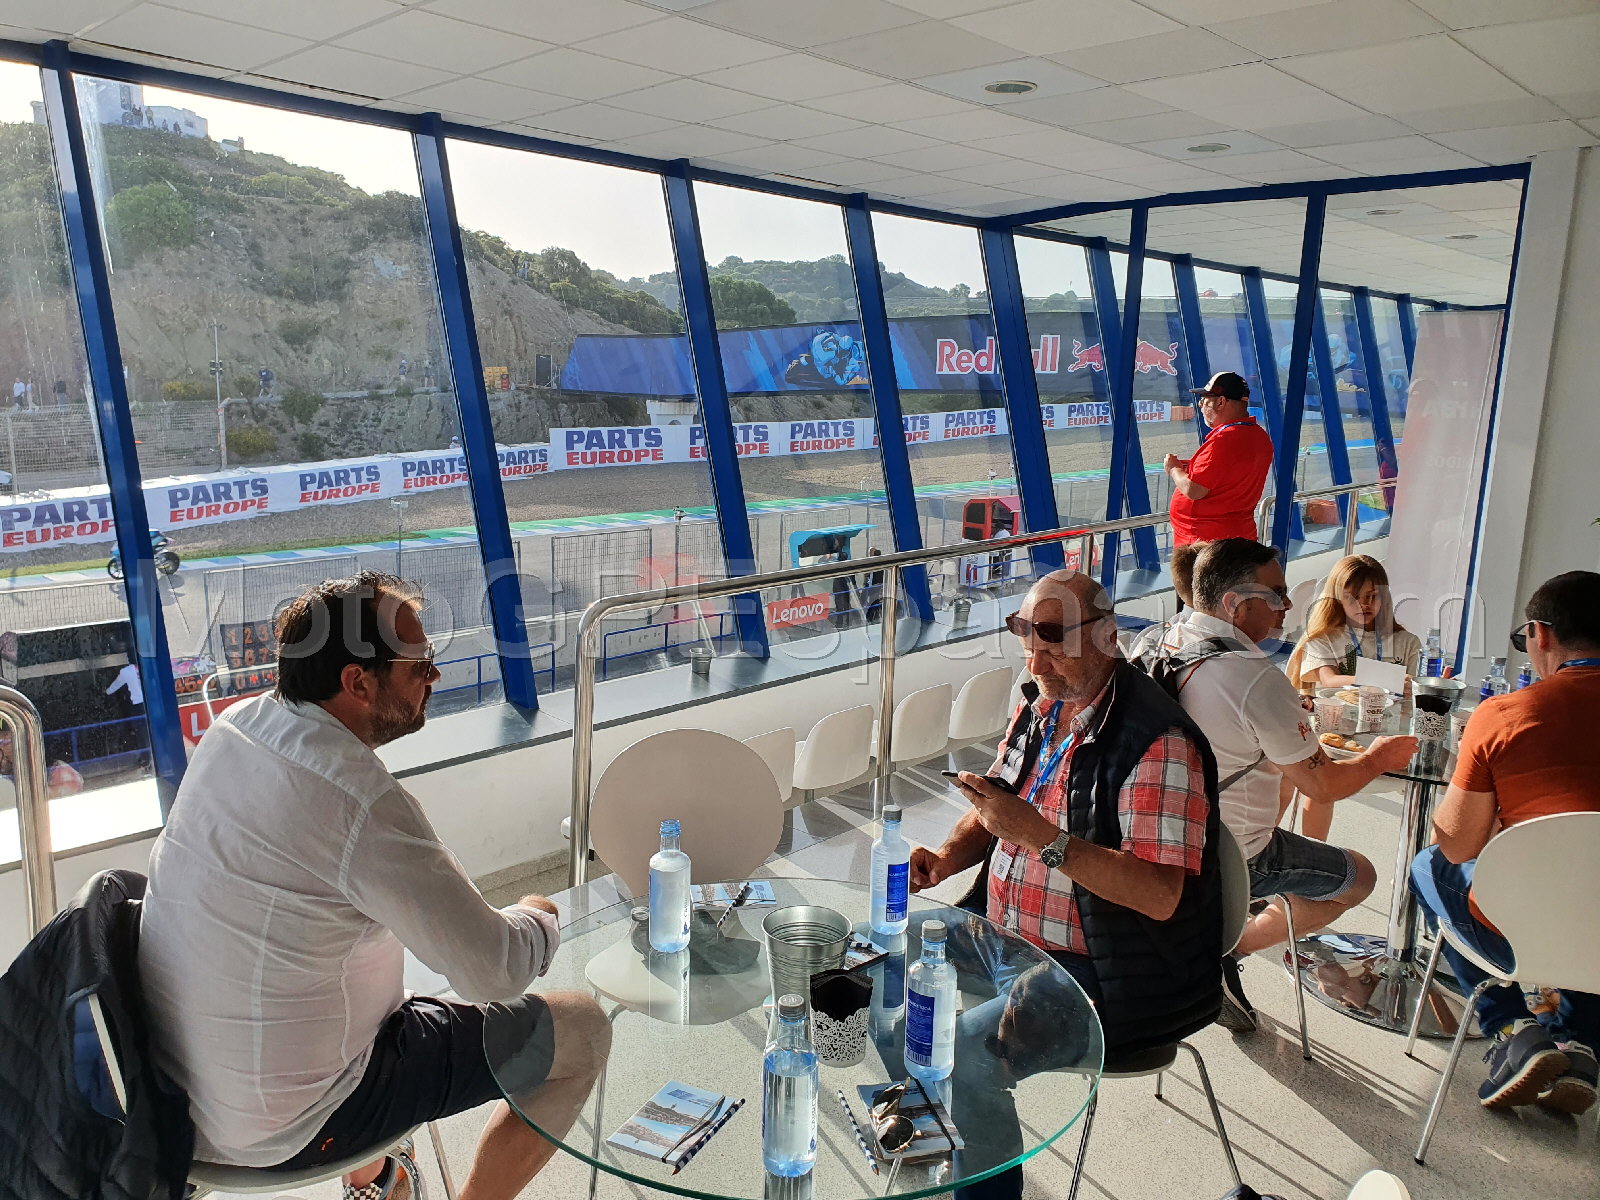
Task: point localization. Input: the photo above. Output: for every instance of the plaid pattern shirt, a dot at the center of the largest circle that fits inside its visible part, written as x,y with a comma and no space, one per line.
1162,806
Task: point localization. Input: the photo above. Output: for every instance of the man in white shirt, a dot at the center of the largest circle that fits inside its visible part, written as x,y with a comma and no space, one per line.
1252,717
291,873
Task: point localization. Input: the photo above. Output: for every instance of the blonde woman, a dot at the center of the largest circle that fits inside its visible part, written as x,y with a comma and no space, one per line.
1352,619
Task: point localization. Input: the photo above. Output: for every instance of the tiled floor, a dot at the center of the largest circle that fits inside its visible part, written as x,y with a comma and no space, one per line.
1299,1129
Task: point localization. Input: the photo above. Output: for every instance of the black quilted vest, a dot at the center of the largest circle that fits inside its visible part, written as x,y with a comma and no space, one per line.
1160,981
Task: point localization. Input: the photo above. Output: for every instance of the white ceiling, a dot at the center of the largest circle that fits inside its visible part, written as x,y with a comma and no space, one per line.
869,95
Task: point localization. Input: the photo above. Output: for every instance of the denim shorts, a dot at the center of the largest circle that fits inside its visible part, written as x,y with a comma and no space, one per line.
1300,866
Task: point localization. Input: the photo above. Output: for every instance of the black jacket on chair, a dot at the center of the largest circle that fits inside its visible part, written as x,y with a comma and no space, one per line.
65,1134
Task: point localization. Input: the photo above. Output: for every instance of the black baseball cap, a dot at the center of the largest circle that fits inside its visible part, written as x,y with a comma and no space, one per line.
1225,383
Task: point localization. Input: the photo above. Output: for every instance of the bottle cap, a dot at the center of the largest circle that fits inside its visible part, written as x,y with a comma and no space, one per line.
891,813
791,1007
670,828
933,931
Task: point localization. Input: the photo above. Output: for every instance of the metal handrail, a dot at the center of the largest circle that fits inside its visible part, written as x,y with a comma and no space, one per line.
1338,489
33,805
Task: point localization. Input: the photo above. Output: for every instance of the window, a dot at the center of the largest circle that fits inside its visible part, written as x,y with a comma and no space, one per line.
592,393
290,252
1162,406
65,639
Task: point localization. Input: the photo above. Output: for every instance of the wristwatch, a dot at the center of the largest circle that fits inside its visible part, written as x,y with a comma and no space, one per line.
1055,853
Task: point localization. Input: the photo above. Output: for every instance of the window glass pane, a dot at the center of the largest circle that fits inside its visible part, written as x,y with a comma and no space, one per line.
1069,366
1162,405
1230,345
1392,356
1350,378
789,329
65,639
289,250
575,291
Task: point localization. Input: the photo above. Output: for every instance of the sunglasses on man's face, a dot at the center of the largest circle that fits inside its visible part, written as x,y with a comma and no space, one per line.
1519,635
1053,632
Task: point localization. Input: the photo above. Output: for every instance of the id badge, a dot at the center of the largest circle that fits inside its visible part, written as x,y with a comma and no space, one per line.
1004,855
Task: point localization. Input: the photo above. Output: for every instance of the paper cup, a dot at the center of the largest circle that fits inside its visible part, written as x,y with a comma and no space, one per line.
1458,726
1374,705
1327,713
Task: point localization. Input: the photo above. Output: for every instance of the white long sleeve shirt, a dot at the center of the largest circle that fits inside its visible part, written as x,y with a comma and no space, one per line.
290,874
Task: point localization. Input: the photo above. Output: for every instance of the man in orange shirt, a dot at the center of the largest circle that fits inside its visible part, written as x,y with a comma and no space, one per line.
1528,754
1215,493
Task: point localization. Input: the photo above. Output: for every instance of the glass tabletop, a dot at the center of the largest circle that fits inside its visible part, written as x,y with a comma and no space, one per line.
1028,1049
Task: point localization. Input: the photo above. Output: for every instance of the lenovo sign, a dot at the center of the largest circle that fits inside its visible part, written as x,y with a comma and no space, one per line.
801,610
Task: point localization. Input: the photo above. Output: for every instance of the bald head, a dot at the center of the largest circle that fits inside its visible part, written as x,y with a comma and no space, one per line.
1074,663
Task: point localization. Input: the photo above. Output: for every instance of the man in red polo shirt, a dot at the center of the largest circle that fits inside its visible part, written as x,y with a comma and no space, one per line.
1215,493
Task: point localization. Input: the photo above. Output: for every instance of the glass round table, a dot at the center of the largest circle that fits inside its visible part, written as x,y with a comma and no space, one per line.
1028,1049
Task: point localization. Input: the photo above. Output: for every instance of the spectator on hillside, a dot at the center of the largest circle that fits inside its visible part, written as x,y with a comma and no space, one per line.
264,378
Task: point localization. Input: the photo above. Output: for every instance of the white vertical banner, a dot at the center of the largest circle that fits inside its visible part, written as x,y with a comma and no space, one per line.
1441,460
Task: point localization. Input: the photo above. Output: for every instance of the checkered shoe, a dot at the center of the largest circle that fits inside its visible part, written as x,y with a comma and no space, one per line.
399,1180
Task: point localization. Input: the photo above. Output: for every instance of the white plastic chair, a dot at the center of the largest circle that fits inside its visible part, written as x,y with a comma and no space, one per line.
921,726
719,790
980,710
1235,880
1538,883
1379,1185
837,750
776,748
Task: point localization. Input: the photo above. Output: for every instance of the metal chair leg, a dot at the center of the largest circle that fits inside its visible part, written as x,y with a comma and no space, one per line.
444,1163
1160,1079
599,1109
1083,1145
1294,978
1422,996
1216,1113
1449,1070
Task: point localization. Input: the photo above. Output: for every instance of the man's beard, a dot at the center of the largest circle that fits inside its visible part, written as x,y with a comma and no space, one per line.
391,720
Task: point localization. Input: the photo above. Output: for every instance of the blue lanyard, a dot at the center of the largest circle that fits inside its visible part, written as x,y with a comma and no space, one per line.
1229,425
1355,644
1579,662
1047,771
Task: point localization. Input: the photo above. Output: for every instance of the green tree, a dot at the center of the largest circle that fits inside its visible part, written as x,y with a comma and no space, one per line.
299,332
183,391
745,304
147,218
300,405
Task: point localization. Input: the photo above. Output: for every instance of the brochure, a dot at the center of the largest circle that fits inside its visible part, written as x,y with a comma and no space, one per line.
720,895
936,1132
664,1128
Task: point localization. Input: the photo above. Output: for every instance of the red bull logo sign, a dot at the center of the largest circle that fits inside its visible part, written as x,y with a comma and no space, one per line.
1147,357
951,358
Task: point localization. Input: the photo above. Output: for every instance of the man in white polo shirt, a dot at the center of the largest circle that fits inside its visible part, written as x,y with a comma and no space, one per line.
1252,717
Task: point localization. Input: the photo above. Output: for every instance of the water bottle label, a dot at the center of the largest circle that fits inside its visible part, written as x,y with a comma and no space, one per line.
894,908
919,1027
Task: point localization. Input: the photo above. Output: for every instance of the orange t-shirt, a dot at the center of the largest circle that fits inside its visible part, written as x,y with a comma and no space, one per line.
1536,749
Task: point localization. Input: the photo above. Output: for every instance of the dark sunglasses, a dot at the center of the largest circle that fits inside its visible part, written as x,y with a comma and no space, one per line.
1047,631
1519,636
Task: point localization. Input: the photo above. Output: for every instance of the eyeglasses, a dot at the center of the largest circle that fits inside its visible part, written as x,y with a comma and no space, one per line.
1276,599
1519,636
425,658
1053,632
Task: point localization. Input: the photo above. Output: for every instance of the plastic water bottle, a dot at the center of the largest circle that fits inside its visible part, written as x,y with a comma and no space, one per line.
669,893
1525,676
1433,656
931,1010
1497,677
789,1094
891,875
1486,688
889,997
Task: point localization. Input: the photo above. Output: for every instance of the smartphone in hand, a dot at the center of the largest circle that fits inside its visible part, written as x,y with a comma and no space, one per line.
1002,784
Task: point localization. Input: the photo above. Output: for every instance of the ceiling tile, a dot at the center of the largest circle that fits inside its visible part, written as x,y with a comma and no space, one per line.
568,72
1083,108
422,37
854,172
1333,133
1238,142
940,158
1049,26
808,24
1050,79
888,103
689,100
687,141
1584,105
1169,124
967,197
601,122
1333,26
1516,142
1468,14
1527,111
1064,149
951,8
174,34
1006,171
1179,53
927,48
783,122
1073,189
681,47
973,125
486,101
1205,12
1543,56
366,74
782,158
1387,150
314,19
1592,126
1169,175
1410,76
793,77
867,142
558,21
1245,166
57,16
912,187
1256,93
